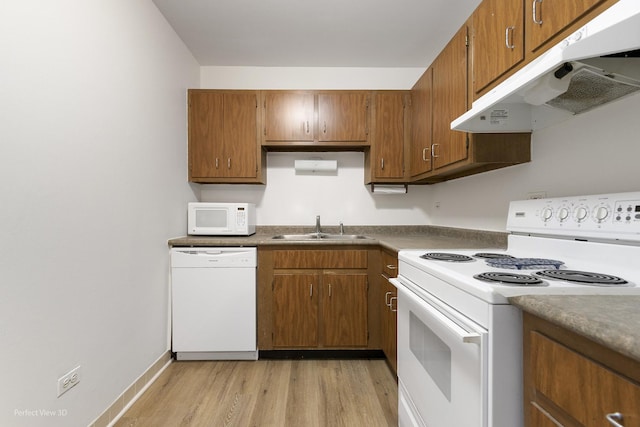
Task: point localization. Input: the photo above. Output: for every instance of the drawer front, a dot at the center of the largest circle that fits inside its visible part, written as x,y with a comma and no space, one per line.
348,258
389,264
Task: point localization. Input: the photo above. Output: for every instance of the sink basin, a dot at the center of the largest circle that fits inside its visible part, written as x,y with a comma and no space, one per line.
319,236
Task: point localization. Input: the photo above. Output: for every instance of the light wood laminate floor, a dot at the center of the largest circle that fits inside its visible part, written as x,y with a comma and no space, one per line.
303,393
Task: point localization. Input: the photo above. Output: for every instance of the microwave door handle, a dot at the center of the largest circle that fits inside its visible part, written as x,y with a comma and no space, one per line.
435,312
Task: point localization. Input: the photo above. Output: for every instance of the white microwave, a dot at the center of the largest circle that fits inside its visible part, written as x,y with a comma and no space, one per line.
221,219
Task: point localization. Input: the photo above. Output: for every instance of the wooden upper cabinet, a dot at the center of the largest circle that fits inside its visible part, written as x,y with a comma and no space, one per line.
421,124
289,116
343,116
315,119
223,138
449,101
497,40
206,133
389,137
545,19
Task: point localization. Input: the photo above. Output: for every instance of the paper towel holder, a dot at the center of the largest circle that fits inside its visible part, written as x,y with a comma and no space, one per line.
389,188
316,166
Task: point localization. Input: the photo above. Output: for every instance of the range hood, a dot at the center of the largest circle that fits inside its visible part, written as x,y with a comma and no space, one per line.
595,65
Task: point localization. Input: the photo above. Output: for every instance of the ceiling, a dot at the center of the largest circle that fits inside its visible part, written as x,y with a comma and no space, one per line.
306,33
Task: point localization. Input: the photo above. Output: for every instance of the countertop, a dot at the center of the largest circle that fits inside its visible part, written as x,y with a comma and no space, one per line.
611,320
393,238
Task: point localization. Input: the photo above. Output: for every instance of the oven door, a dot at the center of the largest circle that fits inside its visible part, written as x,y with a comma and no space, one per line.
442,363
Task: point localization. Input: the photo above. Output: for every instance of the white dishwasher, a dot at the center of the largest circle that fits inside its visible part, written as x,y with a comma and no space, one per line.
213,292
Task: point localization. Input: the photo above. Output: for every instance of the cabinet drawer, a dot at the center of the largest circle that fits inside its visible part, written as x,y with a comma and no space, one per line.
347,258
389,264
580,387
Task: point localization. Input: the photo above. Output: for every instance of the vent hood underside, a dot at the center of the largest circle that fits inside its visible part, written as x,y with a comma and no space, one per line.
597,64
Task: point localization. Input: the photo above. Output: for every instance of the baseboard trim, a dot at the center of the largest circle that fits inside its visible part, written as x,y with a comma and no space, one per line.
321,354
127,398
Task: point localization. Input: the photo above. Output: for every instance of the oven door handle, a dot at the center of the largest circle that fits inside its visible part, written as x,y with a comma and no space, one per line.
440,314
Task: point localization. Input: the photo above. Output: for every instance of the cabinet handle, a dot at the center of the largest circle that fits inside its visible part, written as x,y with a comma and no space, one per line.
425,150
382,163
386,298
535,12
324,127
391,267
391,304
310,290
229,163
329,290
613,419
216,163
509,40
307,126
433,150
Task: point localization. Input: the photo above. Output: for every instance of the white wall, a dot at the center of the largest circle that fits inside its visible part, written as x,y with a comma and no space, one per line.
92,184
595,152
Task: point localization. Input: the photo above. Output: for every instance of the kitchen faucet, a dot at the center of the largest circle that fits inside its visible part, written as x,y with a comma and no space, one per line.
318,230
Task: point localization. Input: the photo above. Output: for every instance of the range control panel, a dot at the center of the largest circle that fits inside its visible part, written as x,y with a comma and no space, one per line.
604,216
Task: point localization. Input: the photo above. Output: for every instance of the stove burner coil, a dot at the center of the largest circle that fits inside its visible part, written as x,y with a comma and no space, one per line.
583,277
444,256
510,279
490,255
524,263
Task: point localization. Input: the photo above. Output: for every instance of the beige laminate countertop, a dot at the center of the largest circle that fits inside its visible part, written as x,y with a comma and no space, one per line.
393,238
610,320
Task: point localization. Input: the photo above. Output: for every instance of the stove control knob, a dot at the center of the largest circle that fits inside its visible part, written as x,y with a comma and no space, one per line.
563,214
547,214
600,213
581,213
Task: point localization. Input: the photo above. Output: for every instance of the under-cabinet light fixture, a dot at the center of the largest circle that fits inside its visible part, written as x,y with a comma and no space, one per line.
316,165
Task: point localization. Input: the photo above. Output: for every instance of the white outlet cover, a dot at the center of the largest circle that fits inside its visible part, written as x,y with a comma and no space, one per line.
69,380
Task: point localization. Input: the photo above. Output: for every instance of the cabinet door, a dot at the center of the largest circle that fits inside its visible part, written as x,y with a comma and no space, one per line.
239,158
450,101
580,388
498,40
206,133
344,312
421,124
288,116
342,116
388,144
295,310
547,18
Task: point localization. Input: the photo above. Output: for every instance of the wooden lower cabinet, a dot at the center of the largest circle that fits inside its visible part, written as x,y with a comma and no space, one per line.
388,303
295,310
573,382
314,299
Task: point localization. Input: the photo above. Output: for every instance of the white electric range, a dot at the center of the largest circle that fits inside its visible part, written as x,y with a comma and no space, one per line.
459,340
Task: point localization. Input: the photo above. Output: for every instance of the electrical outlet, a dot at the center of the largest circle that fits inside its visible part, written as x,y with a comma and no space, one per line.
436,205
68,380
537,195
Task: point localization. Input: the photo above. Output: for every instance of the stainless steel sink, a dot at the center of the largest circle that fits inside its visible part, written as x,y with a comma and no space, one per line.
319,236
